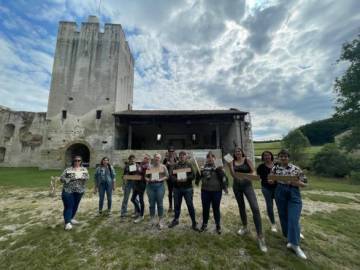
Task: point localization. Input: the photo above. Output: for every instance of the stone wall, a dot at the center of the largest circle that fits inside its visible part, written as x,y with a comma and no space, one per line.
22,136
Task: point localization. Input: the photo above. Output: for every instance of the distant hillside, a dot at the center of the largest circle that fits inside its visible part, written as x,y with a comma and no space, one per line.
324,131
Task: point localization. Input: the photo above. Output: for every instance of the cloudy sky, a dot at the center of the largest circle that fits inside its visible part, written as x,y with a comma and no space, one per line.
273,58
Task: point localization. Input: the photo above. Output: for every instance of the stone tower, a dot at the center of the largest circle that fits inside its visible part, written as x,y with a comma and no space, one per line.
92,78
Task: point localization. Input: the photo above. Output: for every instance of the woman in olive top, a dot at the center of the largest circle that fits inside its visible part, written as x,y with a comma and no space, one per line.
213,181
242,187
268,190
155,190
74,179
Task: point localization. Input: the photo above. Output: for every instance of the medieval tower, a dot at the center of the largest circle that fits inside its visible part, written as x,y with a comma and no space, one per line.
93,77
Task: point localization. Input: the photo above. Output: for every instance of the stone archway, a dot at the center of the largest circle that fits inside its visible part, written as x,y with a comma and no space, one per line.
77,149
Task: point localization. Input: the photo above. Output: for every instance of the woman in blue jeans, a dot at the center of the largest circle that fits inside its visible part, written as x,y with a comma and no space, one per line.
288,201
155,190
105,183
268,190
73,179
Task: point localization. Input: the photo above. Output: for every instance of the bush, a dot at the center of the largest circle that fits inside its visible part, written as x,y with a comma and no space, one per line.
296,143
330,161
355,178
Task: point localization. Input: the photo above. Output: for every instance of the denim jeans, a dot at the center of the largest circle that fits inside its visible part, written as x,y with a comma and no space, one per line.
139,204
71,203
105,187
241,189
269,195
187,193
289,204
127,188
156,192
212,198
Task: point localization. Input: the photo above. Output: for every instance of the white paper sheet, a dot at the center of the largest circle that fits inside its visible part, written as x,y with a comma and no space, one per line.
155,176
78,175
228,158
181,176
132,168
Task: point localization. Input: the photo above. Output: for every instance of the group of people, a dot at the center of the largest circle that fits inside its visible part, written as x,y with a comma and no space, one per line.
150,176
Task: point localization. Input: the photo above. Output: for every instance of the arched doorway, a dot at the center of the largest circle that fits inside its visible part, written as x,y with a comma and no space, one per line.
78,149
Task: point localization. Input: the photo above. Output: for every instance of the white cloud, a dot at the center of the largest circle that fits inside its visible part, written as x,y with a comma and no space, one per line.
274,58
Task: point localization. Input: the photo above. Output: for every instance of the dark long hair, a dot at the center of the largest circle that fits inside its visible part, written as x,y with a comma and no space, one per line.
108,165
267,152
242,152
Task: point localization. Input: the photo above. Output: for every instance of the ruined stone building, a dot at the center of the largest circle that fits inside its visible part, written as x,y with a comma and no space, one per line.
90,110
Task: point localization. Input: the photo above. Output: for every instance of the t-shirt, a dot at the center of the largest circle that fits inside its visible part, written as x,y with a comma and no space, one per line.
263,171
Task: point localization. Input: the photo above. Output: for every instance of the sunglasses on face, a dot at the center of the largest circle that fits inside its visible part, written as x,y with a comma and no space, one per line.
77,160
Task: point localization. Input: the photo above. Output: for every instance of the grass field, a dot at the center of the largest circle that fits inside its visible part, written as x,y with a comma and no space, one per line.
275,147
32,235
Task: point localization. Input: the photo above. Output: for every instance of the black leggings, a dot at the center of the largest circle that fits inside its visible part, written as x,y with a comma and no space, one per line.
139,205
170,185
247,189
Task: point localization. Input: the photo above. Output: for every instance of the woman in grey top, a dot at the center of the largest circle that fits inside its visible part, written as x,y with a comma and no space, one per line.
213,181
105,182
74,179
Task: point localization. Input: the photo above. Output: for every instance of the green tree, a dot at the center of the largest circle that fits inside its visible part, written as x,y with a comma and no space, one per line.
347,89
296,142
330,161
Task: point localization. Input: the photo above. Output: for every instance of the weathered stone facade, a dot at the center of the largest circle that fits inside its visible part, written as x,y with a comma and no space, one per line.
92,84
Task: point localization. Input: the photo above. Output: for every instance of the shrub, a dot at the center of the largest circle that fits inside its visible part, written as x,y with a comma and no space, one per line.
330,161
355,178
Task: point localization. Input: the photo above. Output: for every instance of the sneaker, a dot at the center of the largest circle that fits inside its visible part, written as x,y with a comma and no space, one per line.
170,210
299,252
243,231
153,222
262,245
123,215
273,228
99,214
139,219
195,227
161,224
109,213
173,223
289,245
135,215
74,222
302,236
203,228
68,227
218,229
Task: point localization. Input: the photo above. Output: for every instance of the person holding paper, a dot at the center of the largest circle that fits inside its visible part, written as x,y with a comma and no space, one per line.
105,182
131,168
183,176
213,181
140,186
267,189
241,187
74,179
170,161
155,190
288,200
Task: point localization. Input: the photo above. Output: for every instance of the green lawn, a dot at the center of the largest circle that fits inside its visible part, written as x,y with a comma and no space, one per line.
32,235
275,147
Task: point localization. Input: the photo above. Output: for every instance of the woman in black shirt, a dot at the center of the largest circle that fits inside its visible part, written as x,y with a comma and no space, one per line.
268,190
